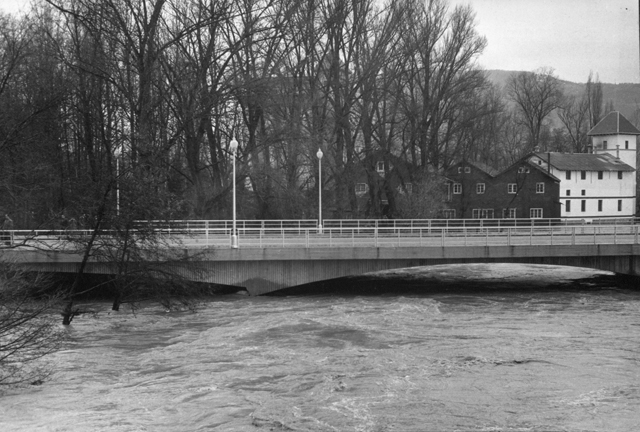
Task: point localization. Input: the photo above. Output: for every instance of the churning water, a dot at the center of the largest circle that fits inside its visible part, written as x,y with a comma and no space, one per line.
501,360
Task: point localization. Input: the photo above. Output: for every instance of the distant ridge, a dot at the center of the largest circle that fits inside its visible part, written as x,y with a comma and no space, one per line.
625,97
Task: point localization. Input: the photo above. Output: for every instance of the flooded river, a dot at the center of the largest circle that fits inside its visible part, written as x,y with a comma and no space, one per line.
509,359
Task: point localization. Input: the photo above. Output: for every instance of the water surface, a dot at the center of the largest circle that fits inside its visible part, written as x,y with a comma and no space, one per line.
489,360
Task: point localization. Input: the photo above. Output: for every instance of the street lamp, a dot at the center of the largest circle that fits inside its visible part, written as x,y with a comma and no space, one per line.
319,155
233,146
117,152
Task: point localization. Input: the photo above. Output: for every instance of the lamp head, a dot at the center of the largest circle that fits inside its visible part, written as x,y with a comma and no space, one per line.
319,154
233,145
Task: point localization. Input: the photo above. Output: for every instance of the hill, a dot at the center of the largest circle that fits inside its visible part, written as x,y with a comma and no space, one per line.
625,97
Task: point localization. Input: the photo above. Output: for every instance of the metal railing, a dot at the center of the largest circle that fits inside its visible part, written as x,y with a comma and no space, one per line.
356,233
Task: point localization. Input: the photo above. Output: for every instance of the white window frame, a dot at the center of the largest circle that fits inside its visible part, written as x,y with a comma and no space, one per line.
480,188
457,188
512,188
449,213
535,213
512,213
540,187
361,188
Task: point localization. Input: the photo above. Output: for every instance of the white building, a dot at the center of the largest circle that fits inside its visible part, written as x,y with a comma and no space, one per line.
601,184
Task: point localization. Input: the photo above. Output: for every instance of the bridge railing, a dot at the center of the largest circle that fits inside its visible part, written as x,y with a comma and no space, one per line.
359,233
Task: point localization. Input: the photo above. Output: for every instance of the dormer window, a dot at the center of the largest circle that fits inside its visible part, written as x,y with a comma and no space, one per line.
380,166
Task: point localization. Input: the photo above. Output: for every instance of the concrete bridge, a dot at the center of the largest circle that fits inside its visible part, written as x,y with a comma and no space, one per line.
269,258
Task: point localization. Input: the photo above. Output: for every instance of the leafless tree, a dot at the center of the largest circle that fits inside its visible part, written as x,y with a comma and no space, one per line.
536,95
27,326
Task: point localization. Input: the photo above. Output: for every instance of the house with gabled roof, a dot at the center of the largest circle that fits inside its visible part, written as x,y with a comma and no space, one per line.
600,184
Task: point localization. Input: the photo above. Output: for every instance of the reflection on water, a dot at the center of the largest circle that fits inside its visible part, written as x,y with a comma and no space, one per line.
447,360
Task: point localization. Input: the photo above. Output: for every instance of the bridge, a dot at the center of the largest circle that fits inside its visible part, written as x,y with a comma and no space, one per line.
272,255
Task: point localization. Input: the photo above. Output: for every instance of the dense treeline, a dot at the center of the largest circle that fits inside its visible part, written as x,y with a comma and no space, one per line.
144,96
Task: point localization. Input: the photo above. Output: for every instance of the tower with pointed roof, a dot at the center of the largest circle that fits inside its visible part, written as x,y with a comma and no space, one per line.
615,135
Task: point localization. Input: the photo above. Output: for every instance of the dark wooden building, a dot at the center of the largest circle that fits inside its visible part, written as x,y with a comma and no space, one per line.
524,190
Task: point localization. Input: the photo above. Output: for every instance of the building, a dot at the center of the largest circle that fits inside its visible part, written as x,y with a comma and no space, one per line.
600,184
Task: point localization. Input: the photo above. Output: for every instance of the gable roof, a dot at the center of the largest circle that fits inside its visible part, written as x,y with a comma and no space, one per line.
614,123
484,168
584,162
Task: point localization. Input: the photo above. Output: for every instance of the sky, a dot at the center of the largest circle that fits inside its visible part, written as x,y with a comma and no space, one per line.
573,37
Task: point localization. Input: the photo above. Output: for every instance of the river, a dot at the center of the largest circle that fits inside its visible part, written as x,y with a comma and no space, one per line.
550,358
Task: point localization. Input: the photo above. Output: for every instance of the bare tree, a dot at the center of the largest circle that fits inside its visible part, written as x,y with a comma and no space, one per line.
536,95
574,115
27,327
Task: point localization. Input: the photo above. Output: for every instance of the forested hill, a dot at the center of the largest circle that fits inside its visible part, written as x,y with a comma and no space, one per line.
625,97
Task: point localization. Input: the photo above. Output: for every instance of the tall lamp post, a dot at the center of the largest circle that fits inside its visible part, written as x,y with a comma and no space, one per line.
233,146
117,153
319,155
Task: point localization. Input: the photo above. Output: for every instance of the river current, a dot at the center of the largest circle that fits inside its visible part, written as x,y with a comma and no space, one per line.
543,359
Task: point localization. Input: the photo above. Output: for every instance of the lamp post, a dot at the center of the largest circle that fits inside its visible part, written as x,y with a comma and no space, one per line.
233,146
117,152
319,155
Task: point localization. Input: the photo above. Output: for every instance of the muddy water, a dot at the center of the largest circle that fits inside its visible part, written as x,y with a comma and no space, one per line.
502,360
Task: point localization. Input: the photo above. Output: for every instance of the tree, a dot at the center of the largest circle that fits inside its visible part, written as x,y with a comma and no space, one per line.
535,95
27,330
593,95
574,115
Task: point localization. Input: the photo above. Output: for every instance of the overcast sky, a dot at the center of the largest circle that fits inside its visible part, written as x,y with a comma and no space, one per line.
571,36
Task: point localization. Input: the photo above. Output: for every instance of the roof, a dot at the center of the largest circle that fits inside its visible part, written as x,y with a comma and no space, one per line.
584,162
614,123
484,168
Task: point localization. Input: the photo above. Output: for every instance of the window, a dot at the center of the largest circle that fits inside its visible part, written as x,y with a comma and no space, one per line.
361,187
626,145
508,213
604,145
583,175
583,192
539,187
512,188
568,192
568,175
523,170
567,206
449,213
619,175
457,188
600,175
599,205
482,213
583,205
467,170
619,205
459,170
535,213
380,166
480,188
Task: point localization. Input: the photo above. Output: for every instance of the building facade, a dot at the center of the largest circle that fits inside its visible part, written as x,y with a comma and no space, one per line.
599,184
